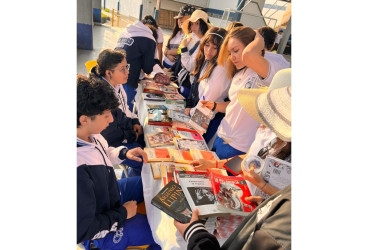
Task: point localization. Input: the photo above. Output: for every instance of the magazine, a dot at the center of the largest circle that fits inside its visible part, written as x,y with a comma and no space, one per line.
201,118
199,194
230,192
276,172
172,201
178,116
160,139
186,144
158,154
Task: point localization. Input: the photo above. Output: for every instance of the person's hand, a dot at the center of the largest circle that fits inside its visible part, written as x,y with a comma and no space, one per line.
131,208
256,199
207,104
133,154
187,111
203,164
252,177
185,42
166,51
182,227
171,58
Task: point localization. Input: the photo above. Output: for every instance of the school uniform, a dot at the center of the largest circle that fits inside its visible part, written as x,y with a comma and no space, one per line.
174,44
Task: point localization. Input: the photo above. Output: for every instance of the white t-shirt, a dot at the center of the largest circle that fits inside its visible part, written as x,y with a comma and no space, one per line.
278,38
174,44
160,39
216,87
270,56
238,128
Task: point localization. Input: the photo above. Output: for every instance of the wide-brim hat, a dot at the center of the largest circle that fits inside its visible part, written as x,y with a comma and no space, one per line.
196,15
186,10
271,106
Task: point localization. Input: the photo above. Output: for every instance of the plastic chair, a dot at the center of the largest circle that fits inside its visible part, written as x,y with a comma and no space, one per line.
90,65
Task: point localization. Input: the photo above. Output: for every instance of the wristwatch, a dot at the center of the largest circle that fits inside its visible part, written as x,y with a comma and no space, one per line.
214,106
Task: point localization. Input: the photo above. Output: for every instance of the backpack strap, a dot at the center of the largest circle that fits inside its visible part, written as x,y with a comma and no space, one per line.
194,47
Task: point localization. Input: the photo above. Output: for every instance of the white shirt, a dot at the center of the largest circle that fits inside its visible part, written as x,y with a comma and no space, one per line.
216,87
238,128
174,44
278,38
270,56
188,61
160,39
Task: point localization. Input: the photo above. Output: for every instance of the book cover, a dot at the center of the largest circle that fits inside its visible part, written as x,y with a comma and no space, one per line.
159,117
160,139
176,96
182,126
172,201
169,89
156,170
153,106
276,172
168,169
178,116
181,156
187,144
158,154
230,192
151,85
175,102
151,129
199,194
202,154
201,118
153,97
193,135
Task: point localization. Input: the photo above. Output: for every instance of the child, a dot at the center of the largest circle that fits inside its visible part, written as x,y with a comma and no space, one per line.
102,219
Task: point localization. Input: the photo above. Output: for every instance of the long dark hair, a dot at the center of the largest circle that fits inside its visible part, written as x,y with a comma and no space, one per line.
176,29
148,19
200,57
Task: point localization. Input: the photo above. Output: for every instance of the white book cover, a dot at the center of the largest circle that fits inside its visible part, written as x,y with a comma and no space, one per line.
276,172
199,194
178,116
201,118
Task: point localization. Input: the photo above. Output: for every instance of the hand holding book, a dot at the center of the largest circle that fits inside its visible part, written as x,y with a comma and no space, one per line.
182,227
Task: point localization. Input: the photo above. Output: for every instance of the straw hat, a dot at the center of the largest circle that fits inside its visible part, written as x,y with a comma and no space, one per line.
196,15
271,106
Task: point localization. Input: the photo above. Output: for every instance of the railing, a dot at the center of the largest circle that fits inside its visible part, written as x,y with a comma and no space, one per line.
113,15
226,17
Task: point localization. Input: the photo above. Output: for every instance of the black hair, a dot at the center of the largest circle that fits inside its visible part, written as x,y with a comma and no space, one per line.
269,36
153,29
176,29
148,19
94,97
108,59
203,27
233,25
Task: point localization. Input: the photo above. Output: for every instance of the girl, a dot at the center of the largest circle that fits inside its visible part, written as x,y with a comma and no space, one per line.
210,80
243,49
148,19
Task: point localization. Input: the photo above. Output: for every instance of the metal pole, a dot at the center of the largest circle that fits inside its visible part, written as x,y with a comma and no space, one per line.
141,12
286,35
112,16
157,9
118,18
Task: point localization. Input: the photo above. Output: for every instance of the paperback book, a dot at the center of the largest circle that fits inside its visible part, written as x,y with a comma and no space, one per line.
192,135
153,97
176,96
186,144
202,154
160,139
181,156
151,129
168,170
178,116
182,126
159,117
172,201
158,154
201,118
156,170
230,192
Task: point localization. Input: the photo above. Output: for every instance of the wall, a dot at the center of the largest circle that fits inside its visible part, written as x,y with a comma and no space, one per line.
84,25
96,8
126,7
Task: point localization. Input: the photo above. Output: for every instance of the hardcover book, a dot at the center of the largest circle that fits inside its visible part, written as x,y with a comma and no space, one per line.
172,201
201,118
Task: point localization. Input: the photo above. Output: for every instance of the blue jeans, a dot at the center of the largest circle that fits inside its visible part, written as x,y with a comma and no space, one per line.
131,189
184,91
212,129
130,92
224,151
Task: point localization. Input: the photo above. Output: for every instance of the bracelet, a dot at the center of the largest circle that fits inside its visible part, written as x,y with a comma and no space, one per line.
216,164
214,106
264,185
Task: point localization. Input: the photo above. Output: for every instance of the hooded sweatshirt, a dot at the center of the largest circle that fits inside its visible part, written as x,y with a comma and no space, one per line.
140,45
99,209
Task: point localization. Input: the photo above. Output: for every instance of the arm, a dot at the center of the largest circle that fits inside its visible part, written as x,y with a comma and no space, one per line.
188,61
203,164
159,48
148,52
252,57
220,106
258,181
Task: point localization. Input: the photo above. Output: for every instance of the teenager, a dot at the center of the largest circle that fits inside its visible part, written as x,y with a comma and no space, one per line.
139,42
148,19
210,80
243,50
102,219
113,69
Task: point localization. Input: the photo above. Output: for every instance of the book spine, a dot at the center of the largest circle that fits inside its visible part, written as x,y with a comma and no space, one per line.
160,123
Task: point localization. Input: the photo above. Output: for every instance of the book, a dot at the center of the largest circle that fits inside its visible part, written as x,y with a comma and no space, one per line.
168,169
158,154
186,144
199,193
153,97
201,118
160,139
234,166
172,201
159,117
202,154
169,89
151,85
193,135
151,129
182,126
156,170
230,192
176,96
276,172
181,156
153,106
178,116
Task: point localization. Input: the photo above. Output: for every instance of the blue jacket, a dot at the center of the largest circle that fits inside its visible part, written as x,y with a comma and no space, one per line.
138,42
99,210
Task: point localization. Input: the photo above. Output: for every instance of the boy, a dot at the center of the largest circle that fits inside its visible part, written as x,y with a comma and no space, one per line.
102,219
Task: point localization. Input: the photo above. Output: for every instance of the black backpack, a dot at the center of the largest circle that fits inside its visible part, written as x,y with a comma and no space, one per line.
184,74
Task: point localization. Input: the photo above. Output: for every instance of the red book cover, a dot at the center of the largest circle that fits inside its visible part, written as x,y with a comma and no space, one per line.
230,192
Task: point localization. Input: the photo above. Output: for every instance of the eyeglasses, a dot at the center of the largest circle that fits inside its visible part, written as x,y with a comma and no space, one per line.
127,68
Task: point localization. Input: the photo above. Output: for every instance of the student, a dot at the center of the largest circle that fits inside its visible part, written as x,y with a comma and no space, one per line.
268,227
148,19
102,219
277,39
195,28
140,44
269,38
233,25
210,80
171,50
113,69
243,50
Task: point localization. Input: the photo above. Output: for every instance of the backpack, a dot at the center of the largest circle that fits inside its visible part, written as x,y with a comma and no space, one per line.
184,74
